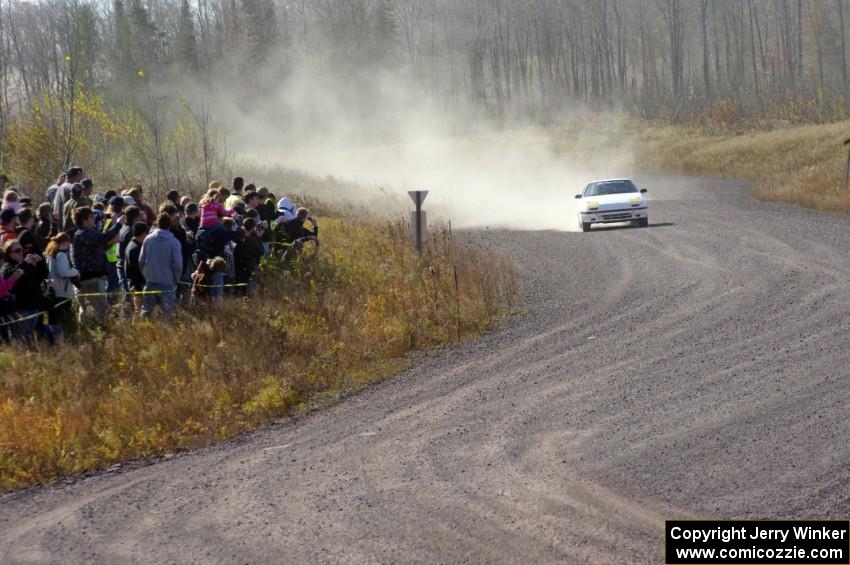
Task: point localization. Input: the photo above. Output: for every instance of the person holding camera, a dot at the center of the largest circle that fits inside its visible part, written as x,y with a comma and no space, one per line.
27,289
88,255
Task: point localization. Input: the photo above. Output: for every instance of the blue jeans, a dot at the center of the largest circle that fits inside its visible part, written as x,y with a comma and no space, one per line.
123,282
112,280
184,288
163,294
24,329
217,289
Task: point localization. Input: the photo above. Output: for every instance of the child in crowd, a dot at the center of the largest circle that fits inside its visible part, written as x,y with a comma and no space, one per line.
211,209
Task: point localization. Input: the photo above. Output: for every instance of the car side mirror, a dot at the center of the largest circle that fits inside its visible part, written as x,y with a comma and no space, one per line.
578,195
643,191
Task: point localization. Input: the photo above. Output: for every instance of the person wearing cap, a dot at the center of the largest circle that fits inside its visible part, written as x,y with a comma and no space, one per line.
8,223
285,210
63,194
88,255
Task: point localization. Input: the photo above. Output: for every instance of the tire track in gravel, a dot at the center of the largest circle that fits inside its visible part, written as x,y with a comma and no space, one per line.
693,369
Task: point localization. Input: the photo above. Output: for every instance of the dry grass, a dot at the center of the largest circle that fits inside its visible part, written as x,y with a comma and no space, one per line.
800,165
338,320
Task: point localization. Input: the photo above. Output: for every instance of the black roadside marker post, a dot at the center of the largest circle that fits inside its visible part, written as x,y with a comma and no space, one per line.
847,167
417,218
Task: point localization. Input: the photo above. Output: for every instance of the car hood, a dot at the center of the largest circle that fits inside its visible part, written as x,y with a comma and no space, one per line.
613,201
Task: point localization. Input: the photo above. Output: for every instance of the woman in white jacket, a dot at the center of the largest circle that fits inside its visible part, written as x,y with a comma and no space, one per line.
61,272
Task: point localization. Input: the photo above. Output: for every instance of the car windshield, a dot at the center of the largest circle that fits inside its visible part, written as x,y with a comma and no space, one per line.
610,187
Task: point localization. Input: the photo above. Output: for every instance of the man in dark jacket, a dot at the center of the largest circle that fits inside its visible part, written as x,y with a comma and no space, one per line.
249,253
133,272
131,216
211,244
88,255
294,228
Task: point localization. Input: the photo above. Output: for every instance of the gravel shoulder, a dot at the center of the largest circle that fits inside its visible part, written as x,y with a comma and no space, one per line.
696,368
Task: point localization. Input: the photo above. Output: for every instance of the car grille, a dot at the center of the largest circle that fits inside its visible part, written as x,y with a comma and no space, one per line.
618,216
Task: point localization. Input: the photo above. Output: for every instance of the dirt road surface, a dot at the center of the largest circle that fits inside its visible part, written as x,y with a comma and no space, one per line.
696,368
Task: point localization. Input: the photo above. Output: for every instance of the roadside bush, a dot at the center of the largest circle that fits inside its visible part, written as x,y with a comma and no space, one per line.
336,321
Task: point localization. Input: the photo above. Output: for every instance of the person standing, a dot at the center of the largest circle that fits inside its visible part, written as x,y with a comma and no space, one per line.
113,283
88,255
50,193
134,279
62,275
161,263
63,194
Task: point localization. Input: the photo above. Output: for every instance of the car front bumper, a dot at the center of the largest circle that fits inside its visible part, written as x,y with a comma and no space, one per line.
612,216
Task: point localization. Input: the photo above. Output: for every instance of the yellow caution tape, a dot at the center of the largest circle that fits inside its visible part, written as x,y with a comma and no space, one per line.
19,319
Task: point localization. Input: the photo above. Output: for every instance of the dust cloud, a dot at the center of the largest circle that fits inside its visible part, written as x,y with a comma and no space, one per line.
478,173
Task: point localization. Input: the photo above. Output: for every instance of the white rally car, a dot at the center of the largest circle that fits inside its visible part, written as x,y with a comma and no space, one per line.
610,201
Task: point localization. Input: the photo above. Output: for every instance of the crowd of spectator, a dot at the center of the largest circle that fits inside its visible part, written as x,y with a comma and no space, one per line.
79,257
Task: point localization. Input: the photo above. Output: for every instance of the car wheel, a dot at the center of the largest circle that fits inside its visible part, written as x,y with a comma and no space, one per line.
643,222
585,226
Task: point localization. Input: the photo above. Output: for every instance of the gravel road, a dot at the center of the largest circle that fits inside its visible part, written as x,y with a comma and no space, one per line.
696,368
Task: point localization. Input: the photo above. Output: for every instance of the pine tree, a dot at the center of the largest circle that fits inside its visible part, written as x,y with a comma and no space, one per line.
386,34
144,37
83,44
261,29
186,47
124,66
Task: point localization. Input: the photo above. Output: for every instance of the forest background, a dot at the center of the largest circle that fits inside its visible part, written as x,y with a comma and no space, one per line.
486,101
167,92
